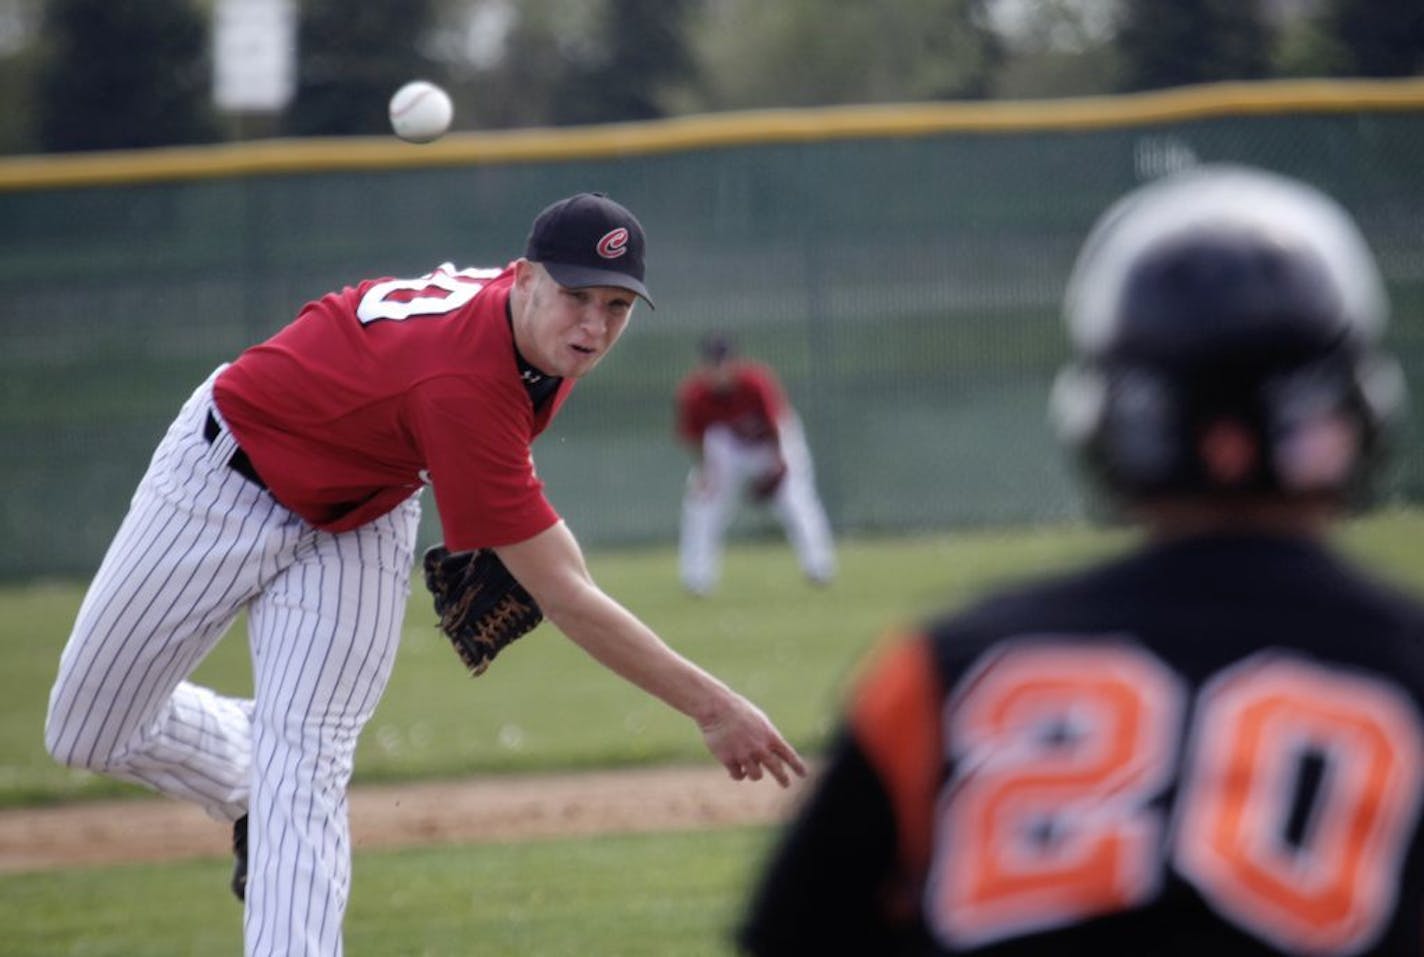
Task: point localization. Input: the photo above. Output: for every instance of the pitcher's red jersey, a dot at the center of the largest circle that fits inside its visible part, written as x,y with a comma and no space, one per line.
374,391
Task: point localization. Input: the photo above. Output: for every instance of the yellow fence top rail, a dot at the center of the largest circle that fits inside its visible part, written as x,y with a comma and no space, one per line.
707,131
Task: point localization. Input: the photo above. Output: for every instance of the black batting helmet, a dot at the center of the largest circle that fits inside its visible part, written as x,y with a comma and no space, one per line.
1225,324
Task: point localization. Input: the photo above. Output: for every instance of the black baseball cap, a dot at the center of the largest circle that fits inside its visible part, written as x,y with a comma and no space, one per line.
589,240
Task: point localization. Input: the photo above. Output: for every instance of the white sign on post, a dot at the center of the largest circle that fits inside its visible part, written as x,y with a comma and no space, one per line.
254,54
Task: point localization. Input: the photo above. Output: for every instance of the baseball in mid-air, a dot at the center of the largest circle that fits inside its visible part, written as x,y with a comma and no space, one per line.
421,112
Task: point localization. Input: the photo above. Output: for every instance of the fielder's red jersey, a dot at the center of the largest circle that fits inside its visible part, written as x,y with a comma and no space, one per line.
374,391
750,406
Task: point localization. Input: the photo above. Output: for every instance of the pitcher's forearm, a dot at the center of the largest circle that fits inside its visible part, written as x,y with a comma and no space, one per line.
614,637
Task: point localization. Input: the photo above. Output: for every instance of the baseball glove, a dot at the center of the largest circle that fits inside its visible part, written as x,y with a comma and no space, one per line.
763,488
481,606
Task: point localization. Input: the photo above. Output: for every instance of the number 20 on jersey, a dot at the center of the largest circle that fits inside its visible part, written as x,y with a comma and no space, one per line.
1296,793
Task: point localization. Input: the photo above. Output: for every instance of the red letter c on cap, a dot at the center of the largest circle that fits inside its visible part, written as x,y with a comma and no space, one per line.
614,243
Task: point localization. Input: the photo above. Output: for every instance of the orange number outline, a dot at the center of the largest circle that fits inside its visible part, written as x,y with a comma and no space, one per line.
1077,740
1124,709
1336,894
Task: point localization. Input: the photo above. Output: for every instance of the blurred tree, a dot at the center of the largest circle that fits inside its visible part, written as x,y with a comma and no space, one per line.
509,61
122,74
639,50
1305,49
1192,41
1054,48
19,54
550,62
1377,37
804,52
352,57
543,62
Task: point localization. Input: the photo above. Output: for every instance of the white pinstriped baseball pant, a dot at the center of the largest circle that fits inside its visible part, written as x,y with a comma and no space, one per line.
200,544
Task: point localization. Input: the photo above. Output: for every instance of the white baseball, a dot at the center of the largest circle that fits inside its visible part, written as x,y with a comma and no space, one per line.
421,112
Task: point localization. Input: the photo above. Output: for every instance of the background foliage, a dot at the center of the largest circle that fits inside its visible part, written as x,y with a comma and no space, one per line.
559,62
122,74
353,57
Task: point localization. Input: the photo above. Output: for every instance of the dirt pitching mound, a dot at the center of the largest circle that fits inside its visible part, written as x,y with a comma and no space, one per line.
493,809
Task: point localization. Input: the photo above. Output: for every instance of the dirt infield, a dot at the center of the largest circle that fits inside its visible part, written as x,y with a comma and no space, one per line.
505,808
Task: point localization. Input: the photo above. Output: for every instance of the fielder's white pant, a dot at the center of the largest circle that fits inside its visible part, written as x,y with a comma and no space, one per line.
200,544
714,487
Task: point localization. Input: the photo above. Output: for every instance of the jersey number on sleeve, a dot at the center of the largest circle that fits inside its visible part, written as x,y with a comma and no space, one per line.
1299,791
434,294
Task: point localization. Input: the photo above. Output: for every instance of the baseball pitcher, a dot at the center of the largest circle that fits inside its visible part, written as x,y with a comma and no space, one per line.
288,487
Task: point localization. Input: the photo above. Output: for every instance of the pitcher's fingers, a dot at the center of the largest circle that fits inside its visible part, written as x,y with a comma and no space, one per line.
788,754
777,767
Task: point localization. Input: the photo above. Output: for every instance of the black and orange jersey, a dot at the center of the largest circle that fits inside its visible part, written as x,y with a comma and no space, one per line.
1212,746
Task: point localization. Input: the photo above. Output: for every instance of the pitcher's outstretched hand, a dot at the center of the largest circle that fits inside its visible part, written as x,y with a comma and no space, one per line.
745,741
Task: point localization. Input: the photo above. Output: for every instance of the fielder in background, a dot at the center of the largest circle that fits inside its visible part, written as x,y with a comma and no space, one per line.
1213,744
288,486
746,442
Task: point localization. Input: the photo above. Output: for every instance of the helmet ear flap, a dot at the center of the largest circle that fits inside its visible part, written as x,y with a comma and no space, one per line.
1319,428
1384,396
1331,424
1123,423
1383,406
1316,429
1077,403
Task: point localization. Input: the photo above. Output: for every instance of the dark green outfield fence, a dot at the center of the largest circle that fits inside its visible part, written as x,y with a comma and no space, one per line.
900,266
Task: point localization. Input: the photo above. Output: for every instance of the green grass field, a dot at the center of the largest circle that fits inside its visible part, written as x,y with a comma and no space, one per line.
631,896
542,706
